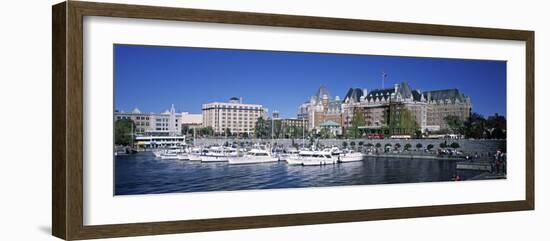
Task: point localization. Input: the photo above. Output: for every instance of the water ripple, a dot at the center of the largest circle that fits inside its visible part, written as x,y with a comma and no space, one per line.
142,174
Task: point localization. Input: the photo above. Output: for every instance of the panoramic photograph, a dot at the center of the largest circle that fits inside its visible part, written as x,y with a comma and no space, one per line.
188,119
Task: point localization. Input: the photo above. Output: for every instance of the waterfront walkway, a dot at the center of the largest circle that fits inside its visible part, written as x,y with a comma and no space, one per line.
489,176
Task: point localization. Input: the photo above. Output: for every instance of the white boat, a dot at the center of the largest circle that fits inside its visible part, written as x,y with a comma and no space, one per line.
313,158
169,156
121,152
351,156
195,154
219,154
172,153
255,155
183,156
288,153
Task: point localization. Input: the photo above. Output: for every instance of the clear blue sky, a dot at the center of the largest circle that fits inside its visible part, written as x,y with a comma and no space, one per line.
152,78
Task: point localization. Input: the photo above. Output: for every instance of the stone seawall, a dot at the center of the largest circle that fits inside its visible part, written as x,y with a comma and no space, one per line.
466,145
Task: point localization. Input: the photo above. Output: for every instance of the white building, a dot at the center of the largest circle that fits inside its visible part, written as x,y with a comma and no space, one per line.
239,118
159,141
167,123
191,120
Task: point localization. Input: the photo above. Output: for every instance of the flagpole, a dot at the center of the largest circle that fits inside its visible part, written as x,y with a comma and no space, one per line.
383,79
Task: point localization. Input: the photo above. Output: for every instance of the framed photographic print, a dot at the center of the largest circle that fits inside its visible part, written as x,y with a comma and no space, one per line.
171,120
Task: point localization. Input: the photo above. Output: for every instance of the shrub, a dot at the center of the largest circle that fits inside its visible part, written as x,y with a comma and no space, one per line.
455,145
407,146
418,146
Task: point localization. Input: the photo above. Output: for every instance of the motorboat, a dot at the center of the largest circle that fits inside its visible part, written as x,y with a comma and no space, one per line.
172,153
219,154
350,156
258,154
313,158
196,153
288,153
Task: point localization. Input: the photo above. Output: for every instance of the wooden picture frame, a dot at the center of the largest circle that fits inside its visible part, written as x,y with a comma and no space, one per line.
67,123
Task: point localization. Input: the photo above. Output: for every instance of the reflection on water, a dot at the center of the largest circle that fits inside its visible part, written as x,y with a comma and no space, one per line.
142,174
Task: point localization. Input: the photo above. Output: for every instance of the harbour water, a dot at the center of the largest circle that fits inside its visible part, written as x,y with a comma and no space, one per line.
141,173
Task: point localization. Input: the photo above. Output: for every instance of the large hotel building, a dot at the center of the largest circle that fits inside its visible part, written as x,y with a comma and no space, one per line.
234,115
428,108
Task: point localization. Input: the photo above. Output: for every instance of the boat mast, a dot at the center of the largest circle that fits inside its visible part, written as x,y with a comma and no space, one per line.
303,133
272,127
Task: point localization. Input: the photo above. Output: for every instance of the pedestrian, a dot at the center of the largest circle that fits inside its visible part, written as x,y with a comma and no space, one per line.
497,161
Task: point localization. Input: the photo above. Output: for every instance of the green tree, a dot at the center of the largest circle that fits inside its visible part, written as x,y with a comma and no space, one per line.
430,147
357,121
407,146
185,129
418,146
227,132
455,145
261,128
345,144
378,145
418,134
442,145
293,132
401,120
124,132
207,131
456,125
311,140
277,128
325,133
496,126
474,127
